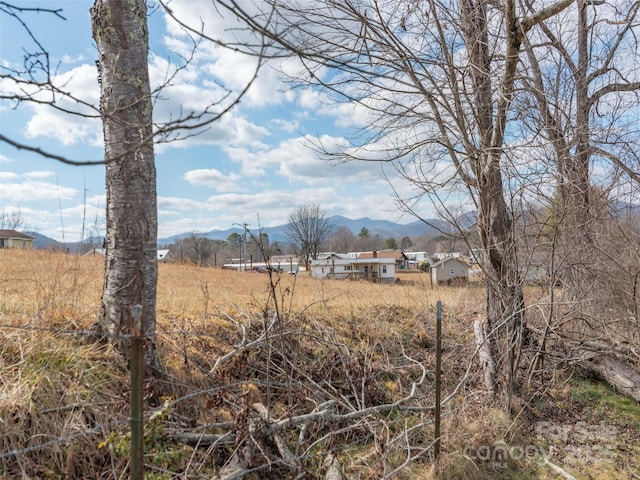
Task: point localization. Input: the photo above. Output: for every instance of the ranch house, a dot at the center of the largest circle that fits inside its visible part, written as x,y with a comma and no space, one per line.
402,261
340,266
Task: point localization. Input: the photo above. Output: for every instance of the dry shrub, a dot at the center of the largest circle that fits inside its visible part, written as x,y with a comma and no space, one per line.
355,344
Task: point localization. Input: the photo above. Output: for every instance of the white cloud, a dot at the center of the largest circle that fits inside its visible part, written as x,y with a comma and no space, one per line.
230,67
39,174
288,126
81,82
34,190
73,59
180,204
298,161
8,175
210,177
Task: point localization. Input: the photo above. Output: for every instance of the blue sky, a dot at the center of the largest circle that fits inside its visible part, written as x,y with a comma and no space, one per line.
252,166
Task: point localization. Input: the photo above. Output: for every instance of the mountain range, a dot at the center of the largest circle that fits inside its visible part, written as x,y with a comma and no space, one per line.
384,228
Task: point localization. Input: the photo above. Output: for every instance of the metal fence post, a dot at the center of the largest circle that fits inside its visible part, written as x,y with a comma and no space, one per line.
137,375
436,446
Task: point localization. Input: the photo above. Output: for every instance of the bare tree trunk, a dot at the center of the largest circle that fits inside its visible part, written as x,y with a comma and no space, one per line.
485,355
505,312
505,301
120,32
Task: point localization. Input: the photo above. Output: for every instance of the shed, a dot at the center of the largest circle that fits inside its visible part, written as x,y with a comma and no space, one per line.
450,271
15,239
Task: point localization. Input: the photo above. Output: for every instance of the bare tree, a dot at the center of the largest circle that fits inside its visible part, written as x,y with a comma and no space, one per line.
342,240
11,220
307,229
584,94
437,80
125,109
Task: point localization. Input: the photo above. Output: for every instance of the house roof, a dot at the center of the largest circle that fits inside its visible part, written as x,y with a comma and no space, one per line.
450,259
14,234
335,259
396,255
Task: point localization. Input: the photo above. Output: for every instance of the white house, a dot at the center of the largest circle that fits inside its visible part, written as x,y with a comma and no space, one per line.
341,266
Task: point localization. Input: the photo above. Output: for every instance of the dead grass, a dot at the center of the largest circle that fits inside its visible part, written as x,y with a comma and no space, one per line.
64,402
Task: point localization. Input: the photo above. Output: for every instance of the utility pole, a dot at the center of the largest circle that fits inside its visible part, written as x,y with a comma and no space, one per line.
244,246
243,250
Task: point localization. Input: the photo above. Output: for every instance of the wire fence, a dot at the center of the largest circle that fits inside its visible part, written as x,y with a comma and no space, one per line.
230,386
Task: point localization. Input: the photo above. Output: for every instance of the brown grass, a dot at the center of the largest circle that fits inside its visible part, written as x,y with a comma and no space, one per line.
64,401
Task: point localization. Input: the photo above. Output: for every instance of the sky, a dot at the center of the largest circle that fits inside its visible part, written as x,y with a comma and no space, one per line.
255,165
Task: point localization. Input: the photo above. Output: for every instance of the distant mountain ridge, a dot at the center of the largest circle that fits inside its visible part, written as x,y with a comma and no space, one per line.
384,228
42,242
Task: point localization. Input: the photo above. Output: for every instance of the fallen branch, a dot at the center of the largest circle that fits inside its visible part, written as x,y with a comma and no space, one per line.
558,470
281,444
613,371
195,439
334,471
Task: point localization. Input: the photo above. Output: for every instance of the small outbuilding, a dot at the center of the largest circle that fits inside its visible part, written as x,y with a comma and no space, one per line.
14,239
450,271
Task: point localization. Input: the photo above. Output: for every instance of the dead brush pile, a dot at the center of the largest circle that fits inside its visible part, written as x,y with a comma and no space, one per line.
265,377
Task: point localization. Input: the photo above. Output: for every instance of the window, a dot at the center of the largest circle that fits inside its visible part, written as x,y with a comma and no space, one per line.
384,269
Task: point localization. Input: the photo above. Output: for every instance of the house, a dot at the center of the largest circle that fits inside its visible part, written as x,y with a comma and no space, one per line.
450,271
342,266
402,262
14,239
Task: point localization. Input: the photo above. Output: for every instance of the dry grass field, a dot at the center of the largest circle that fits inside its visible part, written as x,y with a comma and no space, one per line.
359,356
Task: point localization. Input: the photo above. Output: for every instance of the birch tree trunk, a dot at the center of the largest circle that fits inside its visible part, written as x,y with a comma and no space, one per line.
121,35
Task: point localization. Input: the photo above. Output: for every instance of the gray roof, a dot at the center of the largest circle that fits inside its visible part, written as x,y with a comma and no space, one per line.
14,234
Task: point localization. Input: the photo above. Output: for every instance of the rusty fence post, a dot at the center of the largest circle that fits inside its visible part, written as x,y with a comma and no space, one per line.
136,468
436,446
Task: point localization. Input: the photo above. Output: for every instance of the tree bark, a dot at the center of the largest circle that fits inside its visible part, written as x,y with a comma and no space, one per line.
484,355
121,35
505,302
